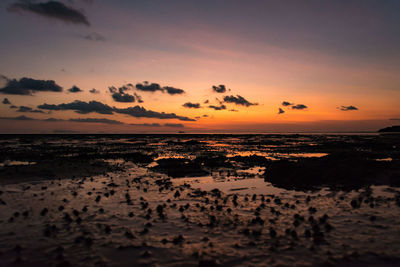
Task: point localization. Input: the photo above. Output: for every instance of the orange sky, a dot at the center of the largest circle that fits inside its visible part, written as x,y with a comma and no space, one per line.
346,58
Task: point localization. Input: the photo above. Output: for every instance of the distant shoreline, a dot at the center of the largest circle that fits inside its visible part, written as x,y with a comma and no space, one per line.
200,133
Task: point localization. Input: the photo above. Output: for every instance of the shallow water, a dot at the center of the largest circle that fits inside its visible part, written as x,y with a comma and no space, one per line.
135,216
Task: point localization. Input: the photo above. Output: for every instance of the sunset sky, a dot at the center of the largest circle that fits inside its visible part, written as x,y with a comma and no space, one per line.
211,66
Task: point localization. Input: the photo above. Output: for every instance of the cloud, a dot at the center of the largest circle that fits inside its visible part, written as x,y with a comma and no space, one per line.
191,105
219,89
173,91
28,109
146,87
206,102
29,86
82,120
238,100
126,98
6,101
234,110
94,36
285,104
222,107
97,120
94,91
394,119
175,125
347,108
52,119
153,87
141,112
13,106
75,89
299,107
80,107
146,124
205,116
51,9
281,111
18,118
120,95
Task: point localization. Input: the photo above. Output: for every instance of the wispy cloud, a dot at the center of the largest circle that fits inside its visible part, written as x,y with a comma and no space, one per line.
29,109
222,107
51,9
347,108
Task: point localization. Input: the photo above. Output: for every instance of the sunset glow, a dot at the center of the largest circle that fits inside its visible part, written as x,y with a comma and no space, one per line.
324,57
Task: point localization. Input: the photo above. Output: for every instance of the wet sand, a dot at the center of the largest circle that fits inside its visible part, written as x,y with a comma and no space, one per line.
199,200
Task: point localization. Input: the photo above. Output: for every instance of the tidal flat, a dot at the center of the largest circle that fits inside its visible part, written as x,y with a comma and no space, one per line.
200,200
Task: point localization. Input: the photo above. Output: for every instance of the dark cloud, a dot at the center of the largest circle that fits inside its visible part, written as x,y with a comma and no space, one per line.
205,116
80,107
191,105
141,112
175,125
394,119
120,95
19,118
222,107
6,101
51,9
347,108
238,100
97,120
28,86
94,91
173,91
206,102
146,124
147,87
28,109
94,36
153,87
299,107
13,106
75,89
53,119
281,111
219,89
285,104
126,98
84,120
234,110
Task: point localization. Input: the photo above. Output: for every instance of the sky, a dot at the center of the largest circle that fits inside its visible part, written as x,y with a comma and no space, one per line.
210,66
